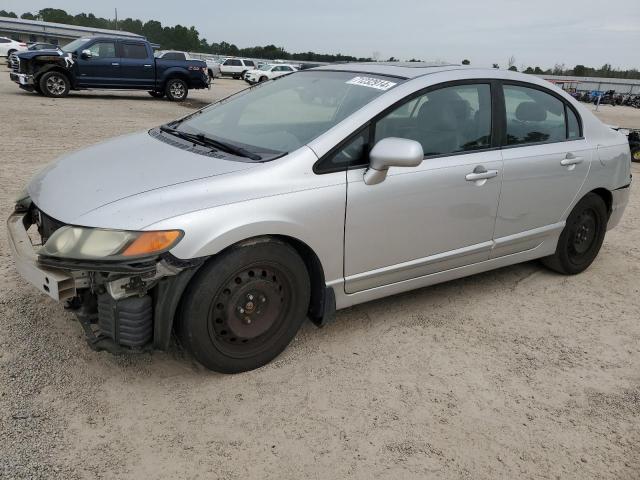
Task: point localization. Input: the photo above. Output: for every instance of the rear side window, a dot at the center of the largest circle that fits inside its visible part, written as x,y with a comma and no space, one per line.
134,50
533,116
573,126
249,63
445,121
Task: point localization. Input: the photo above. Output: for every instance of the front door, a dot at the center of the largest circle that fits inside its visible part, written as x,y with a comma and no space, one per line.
102,67
439,215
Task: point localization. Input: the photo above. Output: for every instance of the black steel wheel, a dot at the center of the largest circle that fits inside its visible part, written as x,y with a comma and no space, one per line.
581,238
54,84
245,306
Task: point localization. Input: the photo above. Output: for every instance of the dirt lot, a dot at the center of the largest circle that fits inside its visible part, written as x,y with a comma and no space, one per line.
516,373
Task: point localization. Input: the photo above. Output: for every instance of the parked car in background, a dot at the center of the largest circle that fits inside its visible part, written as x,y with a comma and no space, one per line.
107,63
31,47
9,46
213,67
236,67
324,189
268,72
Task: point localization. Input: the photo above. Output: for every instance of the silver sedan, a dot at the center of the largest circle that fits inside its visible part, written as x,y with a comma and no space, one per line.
317,191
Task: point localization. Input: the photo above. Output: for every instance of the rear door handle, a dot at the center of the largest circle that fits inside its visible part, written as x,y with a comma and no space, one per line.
115,64
570,159
147,65
481,175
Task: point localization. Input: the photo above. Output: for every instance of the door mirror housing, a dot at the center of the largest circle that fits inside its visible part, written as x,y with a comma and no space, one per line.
86,53
392,152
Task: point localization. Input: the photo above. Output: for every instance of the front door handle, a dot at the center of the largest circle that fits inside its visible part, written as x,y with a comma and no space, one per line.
480,173
115,64
570,159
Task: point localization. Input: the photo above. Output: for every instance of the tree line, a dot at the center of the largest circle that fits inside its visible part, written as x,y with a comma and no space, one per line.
177,37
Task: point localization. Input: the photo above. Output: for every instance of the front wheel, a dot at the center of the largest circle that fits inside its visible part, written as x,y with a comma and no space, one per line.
581,238
635,154
54,84
263,79
245,306
177,90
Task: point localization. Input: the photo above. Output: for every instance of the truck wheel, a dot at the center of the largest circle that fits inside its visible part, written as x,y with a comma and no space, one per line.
54,84
176,90
245,306
635,154
582,237
156,93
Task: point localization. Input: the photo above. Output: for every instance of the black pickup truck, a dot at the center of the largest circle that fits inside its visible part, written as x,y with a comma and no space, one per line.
107,63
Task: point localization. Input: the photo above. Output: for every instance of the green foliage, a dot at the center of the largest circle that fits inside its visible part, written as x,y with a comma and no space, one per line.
581,71
178,37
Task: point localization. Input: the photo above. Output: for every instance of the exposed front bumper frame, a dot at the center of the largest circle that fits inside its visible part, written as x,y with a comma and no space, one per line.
58,284
22,78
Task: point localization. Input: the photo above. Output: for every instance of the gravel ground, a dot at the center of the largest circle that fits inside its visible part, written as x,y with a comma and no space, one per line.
515,373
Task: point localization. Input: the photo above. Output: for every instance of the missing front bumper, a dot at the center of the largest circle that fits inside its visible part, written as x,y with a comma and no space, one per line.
57,284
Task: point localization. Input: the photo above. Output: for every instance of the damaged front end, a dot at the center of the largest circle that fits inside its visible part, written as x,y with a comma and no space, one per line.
125,300
27,67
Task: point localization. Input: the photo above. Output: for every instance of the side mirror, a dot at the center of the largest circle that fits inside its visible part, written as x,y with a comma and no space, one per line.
86,53
392,152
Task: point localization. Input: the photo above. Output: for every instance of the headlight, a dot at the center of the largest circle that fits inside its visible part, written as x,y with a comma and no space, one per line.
99,244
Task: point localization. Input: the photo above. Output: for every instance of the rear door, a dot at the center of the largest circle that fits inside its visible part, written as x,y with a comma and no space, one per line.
102,67
137,64
546,161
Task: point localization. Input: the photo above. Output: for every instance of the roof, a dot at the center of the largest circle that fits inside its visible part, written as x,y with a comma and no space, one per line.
394,69
38,26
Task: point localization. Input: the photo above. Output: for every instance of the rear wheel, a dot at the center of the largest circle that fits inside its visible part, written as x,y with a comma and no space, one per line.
245,306
176,90
54,84
582,237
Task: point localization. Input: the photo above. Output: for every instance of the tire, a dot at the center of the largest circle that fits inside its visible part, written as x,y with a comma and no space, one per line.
156,94
242,74
54,84
176,90
635,154
266,278
262,79
581,238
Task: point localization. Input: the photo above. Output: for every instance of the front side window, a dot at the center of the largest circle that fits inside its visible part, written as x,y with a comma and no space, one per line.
134,50
284,115
533,116
445,121
103,49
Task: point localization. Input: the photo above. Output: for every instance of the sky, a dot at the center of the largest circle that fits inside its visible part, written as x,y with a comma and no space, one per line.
536,32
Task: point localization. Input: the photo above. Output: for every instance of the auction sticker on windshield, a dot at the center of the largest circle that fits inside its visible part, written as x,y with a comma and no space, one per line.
371,82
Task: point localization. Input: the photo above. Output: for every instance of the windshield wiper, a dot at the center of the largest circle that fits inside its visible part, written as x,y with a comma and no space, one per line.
210,142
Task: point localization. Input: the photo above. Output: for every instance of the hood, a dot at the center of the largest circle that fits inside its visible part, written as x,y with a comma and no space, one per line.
105,173
29,54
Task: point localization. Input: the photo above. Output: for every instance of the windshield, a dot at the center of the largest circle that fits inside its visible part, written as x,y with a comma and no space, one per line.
265,67
73,46
285,114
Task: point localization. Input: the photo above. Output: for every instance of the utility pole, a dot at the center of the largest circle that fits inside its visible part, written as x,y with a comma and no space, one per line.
116,18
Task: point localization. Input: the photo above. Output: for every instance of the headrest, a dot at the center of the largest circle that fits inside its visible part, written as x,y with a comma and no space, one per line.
437,115
530,112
